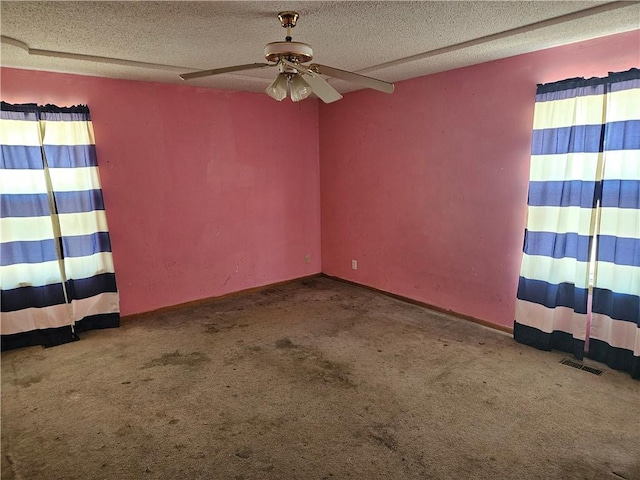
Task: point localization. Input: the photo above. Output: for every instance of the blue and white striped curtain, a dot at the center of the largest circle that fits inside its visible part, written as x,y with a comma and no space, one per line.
56,270
583,182
615,322
551,308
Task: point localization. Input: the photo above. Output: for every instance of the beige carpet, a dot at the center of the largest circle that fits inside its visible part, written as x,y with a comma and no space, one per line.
313,380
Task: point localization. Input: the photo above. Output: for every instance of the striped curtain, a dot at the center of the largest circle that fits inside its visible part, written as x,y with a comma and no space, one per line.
583,186
56,270
551,306
615,323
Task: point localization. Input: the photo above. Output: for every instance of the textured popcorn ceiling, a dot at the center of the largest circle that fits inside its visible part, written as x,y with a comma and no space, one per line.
389,40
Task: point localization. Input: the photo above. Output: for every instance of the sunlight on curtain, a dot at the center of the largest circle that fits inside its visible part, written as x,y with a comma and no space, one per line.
33,295
551,305
57,274
615,324
584,180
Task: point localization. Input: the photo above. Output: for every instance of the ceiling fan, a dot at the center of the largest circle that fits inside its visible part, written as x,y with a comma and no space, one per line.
295,79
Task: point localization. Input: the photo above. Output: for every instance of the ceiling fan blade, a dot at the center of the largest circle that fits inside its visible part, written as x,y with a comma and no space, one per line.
218,71
321,88
363,80
319,85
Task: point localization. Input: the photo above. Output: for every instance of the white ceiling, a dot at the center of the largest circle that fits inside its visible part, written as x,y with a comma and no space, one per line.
390,40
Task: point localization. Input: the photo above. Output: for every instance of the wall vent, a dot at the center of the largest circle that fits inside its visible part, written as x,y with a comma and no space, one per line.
580,366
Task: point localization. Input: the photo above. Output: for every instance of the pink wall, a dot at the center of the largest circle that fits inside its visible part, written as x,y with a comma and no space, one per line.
202,198
427,188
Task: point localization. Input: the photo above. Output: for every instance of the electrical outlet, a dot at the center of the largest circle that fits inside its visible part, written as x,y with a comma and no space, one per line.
307,259
354,264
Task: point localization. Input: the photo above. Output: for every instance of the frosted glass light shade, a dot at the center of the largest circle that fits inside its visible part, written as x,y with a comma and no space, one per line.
278,89
299,88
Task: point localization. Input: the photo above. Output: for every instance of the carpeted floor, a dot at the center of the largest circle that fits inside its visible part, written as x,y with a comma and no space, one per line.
313,380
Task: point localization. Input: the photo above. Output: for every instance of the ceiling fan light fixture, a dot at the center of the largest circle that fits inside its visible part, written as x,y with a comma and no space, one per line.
278,88
299,88
296,79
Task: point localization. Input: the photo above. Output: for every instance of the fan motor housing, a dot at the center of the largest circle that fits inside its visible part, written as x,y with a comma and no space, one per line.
296,51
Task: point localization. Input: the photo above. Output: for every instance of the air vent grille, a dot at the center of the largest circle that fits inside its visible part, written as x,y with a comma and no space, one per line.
580,366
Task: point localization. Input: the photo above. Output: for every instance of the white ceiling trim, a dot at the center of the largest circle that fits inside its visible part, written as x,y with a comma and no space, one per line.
91,58
502,35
